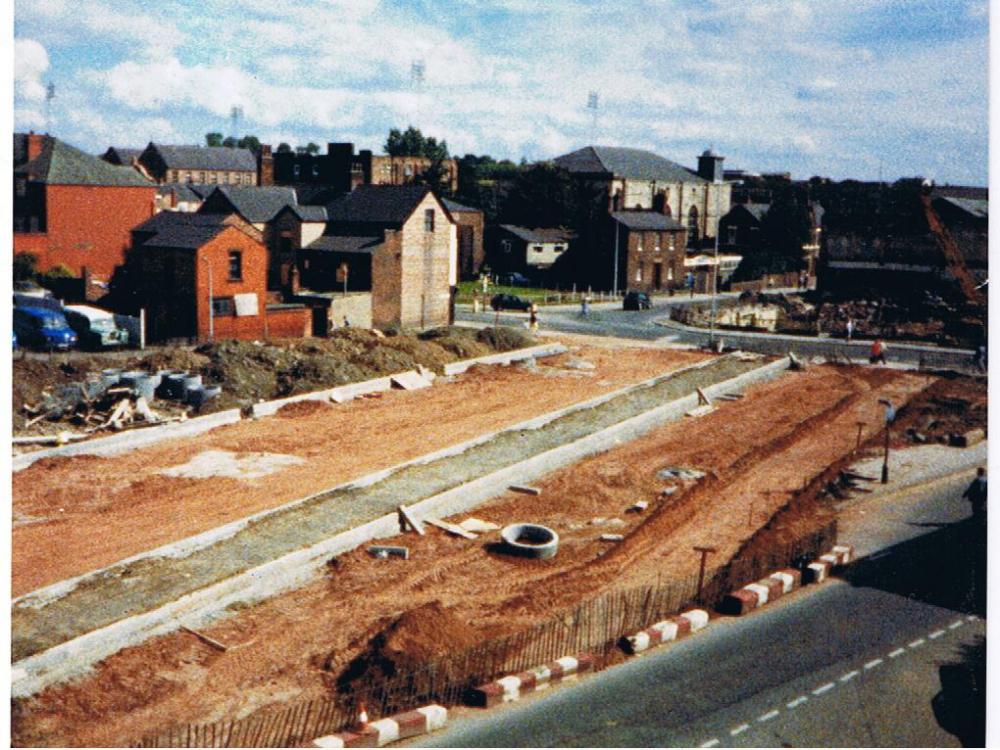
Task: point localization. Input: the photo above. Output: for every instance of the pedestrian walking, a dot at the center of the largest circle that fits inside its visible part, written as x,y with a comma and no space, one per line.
980,358
533,318
347,323
850,328
976,493
585,307
877,352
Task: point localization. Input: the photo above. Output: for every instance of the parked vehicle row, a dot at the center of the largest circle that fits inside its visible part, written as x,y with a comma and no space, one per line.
41,322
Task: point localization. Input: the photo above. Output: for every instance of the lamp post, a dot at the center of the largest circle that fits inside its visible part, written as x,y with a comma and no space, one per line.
715,269
890,415
705,552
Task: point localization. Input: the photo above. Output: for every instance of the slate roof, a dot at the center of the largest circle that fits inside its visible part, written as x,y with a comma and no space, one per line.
123,155
647,221
257,204
207,157
62,164
540,234
310,213
757,210
458,208
186,192
345,244
977,208
178,229
634,163
384,205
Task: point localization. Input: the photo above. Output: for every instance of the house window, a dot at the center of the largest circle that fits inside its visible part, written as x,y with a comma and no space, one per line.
671,241
201,178
235,265
22,188
693,225
223,306
505,246
296,170
670,273
638,273
408,170
315,170
429,220
731,234
538,248
558,249
211,178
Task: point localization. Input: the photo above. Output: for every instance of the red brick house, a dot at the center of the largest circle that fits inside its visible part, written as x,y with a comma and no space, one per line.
470,225
651,251
74,209
204,276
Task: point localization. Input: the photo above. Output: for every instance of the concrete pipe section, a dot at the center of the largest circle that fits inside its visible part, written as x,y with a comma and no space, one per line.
530,540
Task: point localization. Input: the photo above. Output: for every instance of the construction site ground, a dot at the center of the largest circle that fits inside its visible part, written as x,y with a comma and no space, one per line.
294,646
77,514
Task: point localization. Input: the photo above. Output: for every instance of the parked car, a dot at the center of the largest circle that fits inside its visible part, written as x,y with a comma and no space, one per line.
637,301
514,279
22,299
509,302
95,328
40,328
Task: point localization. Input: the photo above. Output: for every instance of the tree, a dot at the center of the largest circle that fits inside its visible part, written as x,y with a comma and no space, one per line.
283,148
785,228
229,142
312,148
213,139
25,266
412,142
250,142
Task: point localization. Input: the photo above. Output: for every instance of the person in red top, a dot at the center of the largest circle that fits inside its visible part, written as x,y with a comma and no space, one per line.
878,352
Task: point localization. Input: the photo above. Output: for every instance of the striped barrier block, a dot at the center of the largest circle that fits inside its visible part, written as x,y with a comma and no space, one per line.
844,552
818,571
511,687
665,631
758,594
382,732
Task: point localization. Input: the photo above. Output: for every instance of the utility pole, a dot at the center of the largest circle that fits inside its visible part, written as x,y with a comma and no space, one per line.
615,283
715,270
705,552
211,304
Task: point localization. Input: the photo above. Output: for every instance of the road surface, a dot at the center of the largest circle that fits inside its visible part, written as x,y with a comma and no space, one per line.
858,661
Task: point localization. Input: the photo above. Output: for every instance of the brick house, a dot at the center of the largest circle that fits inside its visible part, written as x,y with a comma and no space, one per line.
634,179
203,276
74,209
651,251
398,242
740,229
205,165
341,170
470,225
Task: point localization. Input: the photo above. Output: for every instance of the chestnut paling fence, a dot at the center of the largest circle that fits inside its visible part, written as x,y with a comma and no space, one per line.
594,626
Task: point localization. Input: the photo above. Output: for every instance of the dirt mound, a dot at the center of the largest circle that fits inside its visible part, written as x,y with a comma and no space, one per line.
302,409
414,638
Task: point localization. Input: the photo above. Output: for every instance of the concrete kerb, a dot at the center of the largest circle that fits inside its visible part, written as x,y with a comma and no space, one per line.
339,394
505,358
131,439
200,607
41,597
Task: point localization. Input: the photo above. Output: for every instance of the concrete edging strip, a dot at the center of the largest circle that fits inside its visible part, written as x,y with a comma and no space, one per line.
295,569
131,439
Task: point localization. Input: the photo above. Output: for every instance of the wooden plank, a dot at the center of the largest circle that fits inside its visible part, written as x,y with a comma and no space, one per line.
527,490
702,398
450,528
205,639
412,520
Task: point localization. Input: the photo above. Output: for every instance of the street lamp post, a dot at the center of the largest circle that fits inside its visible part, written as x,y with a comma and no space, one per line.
715,269
211,306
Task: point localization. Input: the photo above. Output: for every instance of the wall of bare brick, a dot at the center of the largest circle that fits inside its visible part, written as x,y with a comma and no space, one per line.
88,226
640,271
289,323
215,254
425,266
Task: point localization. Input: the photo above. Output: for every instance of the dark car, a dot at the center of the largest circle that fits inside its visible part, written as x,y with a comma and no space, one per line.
40,328
637,301
514,279
509,302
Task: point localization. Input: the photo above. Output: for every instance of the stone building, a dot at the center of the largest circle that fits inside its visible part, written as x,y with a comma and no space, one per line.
204,165
634,179
470,226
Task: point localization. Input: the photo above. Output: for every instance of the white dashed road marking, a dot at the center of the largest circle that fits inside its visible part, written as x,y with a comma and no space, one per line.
873,663
739,730
797,702
956,624
768,716
916,643
936,634
823,688
897,652
711,743
850,676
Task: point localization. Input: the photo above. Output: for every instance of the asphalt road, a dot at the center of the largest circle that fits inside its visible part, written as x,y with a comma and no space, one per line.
880,657
654,325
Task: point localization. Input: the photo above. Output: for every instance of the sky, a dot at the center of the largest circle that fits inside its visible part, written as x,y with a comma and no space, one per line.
838,88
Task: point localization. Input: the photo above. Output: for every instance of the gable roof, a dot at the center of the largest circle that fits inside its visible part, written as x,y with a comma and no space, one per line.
757,210
458,208
306,213
540,234
122,156
206,157
62,164
345,244
634,163
384,205
256,204
974,207
189,231
647,221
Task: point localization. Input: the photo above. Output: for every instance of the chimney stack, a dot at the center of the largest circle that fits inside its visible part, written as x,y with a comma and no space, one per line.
265,166
36,142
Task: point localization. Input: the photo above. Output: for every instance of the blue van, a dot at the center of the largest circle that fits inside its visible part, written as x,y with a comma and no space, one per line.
40,328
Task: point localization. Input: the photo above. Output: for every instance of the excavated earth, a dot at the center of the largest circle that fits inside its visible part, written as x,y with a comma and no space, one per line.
295,645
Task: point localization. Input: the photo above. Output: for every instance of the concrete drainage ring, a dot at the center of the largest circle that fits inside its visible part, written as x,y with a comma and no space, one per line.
530,540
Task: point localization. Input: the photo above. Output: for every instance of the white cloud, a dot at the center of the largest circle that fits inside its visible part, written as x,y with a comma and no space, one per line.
30,63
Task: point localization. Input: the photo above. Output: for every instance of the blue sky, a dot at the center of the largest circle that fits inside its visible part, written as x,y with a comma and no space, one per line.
842,88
